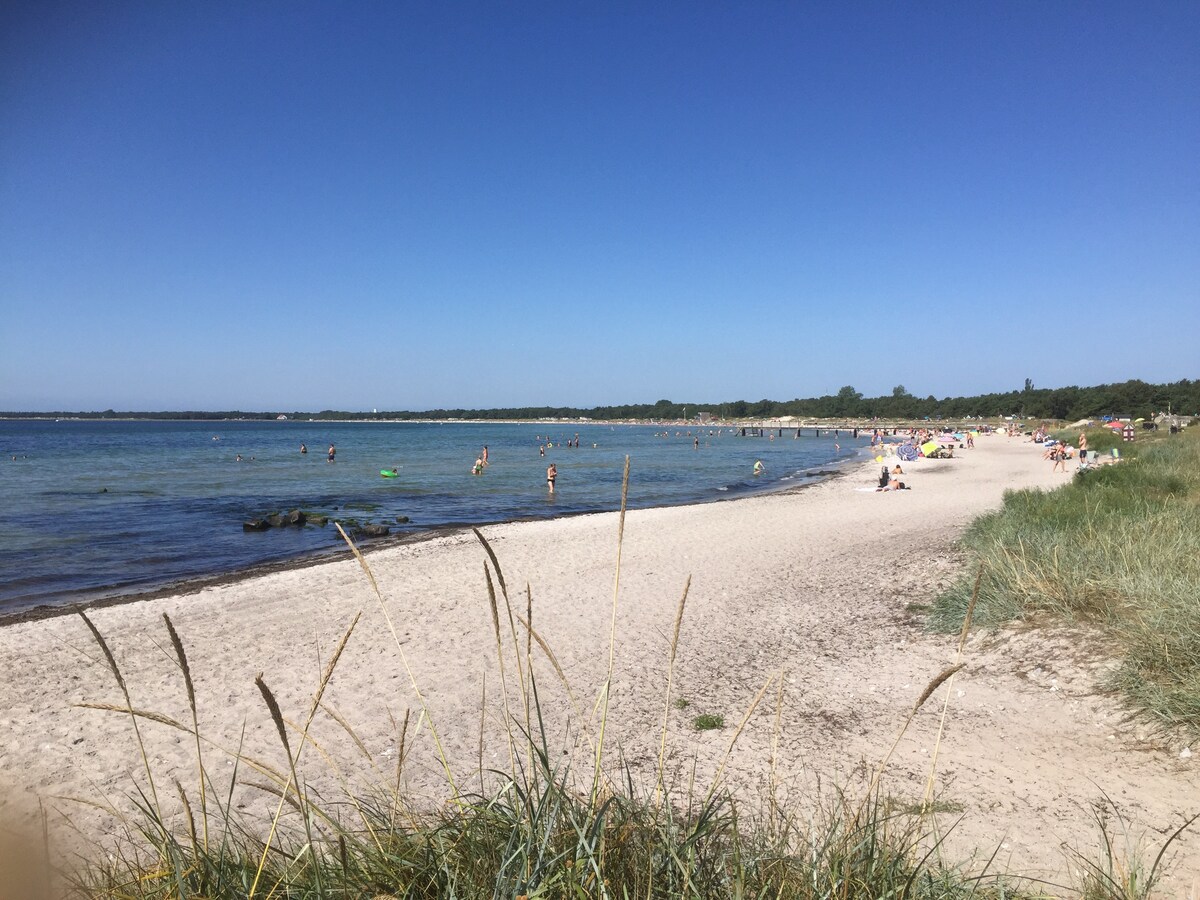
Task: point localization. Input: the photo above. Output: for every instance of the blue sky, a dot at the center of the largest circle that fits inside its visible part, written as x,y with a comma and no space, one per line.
410,205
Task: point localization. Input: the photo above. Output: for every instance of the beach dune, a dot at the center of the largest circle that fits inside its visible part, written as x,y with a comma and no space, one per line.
812,590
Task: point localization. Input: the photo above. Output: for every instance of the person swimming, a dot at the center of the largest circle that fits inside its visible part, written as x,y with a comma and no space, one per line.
759,468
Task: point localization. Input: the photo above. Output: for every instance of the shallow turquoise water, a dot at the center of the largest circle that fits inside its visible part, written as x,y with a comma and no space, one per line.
94,508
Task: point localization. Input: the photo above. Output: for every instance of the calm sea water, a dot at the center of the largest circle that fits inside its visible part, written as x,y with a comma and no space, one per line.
97,508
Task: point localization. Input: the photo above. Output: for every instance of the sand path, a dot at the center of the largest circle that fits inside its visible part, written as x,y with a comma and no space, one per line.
814,585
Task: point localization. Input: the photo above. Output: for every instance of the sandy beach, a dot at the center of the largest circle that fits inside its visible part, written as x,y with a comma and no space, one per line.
814,587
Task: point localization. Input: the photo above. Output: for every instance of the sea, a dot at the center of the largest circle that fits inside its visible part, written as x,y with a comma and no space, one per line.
95,509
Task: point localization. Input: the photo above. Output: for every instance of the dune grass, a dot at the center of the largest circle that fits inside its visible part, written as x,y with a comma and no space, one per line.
1118,546
541,830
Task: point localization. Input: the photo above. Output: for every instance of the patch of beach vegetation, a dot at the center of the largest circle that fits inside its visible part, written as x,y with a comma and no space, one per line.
1117,547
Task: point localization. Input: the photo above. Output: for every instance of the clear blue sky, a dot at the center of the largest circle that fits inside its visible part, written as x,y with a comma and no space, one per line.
302,205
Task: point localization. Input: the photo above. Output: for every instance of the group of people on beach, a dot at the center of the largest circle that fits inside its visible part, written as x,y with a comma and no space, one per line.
888,481
1059,451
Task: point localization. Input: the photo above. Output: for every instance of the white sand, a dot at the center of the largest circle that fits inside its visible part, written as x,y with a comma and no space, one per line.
814,584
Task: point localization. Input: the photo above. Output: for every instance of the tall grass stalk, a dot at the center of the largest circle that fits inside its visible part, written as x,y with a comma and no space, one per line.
958,658
294,759
133,718
412,679
612,634
201,775
662,748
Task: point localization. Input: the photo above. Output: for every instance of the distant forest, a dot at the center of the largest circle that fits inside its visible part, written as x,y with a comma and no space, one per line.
1128,398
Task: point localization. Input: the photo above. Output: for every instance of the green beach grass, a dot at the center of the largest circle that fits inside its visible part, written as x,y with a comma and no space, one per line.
544,829
1117,546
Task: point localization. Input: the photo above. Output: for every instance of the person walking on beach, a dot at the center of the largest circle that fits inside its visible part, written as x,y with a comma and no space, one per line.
332,452
1059,455
551,475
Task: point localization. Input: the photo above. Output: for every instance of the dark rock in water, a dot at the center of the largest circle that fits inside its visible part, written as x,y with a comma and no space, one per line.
375,530
296,517
401,520
317,520
255,525
277,521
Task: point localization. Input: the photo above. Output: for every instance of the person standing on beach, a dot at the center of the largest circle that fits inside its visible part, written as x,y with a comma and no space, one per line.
551,475
1059,454
1082,449
332,452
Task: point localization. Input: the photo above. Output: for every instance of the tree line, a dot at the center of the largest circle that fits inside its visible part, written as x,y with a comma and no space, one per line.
1127,398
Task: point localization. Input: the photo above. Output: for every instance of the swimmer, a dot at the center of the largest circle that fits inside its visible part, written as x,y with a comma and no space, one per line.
551,476
332,452
303,448
759,468
477,469
484,455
